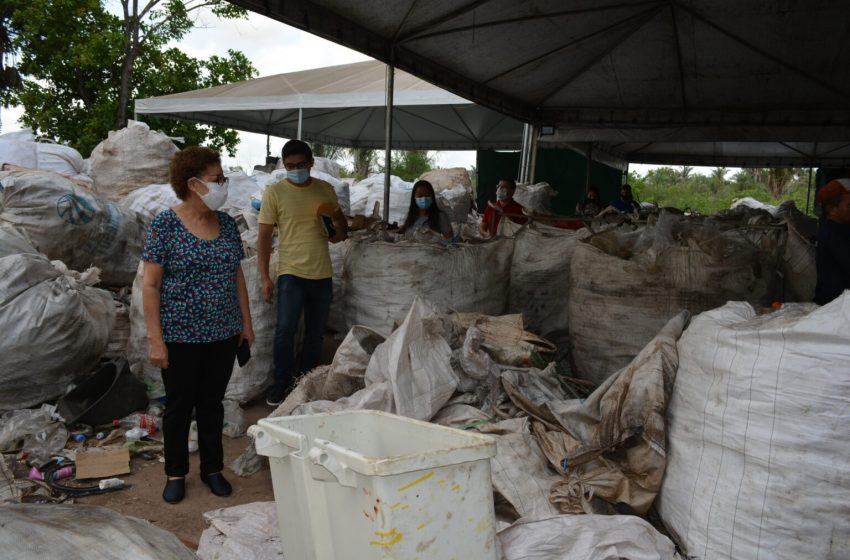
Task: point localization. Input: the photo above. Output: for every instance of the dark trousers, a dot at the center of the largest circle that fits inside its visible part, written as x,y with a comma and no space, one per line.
294,295
196,378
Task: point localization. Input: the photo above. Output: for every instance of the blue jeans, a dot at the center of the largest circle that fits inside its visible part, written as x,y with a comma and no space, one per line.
294,295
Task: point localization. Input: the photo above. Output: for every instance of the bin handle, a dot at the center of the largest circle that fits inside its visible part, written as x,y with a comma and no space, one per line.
322,455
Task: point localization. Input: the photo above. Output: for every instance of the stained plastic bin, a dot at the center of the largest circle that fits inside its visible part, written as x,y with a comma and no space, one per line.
365,485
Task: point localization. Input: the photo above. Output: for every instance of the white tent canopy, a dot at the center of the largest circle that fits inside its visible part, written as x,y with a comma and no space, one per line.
342,105
616,71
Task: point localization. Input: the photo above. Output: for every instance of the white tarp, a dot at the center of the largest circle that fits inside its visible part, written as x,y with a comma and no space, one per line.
72,224
382,278
585,537
83,531
55,325
758,463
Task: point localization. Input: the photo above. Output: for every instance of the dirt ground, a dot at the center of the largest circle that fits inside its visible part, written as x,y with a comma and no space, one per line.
144,498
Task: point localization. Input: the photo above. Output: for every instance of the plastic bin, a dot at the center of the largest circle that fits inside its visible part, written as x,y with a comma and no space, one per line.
366,485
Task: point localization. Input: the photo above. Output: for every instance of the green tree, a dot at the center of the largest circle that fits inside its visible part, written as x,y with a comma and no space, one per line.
74,60
410,164
364,161
10,78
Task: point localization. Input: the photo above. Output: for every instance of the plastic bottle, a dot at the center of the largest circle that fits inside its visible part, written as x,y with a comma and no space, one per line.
64,472
79,438
193,437
109,483
139,420
135,434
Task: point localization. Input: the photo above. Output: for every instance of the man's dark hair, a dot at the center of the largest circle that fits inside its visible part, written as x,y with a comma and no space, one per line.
511,181
295,147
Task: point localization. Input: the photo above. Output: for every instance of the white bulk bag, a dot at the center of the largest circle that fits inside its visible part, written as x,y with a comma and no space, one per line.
535,198
625,287
71,224
540,276
758,464
55,325
130,158
151,200
383,278
366,193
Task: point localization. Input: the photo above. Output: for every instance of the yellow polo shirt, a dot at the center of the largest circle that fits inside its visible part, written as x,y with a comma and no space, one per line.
303,245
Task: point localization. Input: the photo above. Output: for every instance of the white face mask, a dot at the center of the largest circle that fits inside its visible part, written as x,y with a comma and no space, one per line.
501,193
215,197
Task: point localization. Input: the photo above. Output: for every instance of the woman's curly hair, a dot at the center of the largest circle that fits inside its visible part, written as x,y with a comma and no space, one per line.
187,163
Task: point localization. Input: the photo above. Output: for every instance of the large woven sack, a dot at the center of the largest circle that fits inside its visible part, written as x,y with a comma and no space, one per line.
383,278
71,224
757,460
368,194
130,158
540,277
151,200
444,179
55,325
625,287
26,152
536,198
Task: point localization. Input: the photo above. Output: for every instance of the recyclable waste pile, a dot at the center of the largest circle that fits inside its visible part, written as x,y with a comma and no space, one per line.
627,282
562,447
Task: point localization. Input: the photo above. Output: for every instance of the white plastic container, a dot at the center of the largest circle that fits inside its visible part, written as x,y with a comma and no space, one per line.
367,485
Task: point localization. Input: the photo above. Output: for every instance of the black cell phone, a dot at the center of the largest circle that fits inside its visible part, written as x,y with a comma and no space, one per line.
243,353
328,223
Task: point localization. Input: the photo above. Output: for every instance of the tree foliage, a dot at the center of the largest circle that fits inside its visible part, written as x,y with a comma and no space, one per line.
707,194
410,164
73,54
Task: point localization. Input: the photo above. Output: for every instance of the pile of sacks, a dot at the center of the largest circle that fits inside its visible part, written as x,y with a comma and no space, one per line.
717,421
626,283
560,450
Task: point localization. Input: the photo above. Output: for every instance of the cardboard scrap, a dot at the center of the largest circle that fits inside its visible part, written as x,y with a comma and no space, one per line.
102,463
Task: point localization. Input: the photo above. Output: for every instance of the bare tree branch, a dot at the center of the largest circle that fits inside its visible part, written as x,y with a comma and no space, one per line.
148,8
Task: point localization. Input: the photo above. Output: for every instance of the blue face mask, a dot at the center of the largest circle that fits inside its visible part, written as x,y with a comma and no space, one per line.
298,176
423,202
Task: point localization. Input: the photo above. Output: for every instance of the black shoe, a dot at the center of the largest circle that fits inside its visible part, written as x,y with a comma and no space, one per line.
175,490
276,395
217,483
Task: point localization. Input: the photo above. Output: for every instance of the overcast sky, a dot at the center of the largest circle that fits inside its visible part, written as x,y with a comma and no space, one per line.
273,48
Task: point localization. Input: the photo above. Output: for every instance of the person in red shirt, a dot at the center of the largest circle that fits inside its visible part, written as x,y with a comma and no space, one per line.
505,204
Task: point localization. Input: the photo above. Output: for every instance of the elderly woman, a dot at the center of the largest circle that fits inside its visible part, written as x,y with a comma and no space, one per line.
196,312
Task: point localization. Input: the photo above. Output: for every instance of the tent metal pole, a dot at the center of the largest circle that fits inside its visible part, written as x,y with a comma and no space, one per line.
523,154
388,139
587,166
532,164
809,191
300,121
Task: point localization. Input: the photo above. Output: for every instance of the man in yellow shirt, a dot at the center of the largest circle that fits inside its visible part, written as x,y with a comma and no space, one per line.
303,209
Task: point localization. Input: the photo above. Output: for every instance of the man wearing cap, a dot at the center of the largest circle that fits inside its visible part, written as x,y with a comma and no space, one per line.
833,249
